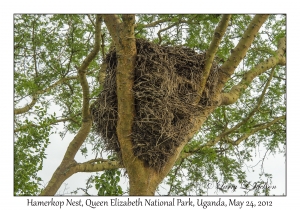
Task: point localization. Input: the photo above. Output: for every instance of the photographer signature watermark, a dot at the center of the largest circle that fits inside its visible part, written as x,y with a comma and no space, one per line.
249,186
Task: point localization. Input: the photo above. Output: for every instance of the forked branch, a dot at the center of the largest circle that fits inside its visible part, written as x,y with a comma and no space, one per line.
237,90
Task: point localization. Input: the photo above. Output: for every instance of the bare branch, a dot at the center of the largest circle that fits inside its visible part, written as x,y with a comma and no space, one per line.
96,167
96,160
237,90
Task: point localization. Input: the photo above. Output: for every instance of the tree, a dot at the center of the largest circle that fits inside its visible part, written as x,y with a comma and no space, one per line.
59,60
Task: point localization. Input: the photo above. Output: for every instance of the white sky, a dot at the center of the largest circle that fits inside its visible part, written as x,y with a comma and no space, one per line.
217,6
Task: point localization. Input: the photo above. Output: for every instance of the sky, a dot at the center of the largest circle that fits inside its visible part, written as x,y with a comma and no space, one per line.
8,8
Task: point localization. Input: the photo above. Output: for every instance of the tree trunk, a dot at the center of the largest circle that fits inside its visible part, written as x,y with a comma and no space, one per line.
144,180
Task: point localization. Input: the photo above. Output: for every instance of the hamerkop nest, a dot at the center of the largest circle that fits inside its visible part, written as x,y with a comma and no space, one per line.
165,88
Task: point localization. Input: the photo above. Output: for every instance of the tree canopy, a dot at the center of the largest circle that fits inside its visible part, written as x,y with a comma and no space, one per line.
59,61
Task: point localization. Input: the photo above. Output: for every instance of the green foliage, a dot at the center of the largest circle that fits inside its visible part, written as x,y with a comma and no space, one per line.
29,153
108,183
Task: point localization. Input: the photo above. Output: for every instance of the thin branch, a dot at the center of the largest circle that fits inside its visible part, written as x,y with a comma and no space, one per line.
103,45
34,51
237,90
175,174
27,107
39,92
256,129
159,22
89,16
211,52
214,141
239,52
153,24
39,126
62,80
254,110
164,29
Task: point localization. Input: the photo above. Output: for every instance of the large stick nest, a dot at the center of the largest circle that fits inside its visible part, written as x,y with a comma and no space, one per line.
165,88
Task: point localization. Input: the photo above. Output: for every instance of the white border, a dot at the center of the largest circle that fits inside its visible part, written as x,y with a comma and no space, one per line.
8,201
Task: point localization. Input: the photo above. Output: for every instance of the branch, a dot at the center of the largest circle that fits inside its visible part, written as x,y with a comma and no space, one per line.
86,117
164,29
153,24
123,37
255,109
39,126
212,50
64,170
113,24
62,80
175,174
213,142
82,70
27,107
256,129
34,51
239,52
89,16
39,92
237,90
92,166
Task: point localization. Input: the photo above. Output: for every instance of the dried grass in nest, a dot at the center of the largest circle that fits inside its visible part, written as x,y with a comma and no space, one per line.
165,87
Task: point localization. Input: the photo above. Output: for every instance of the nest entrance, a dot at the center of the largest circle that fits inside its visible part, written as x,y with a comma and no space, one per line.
165,88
